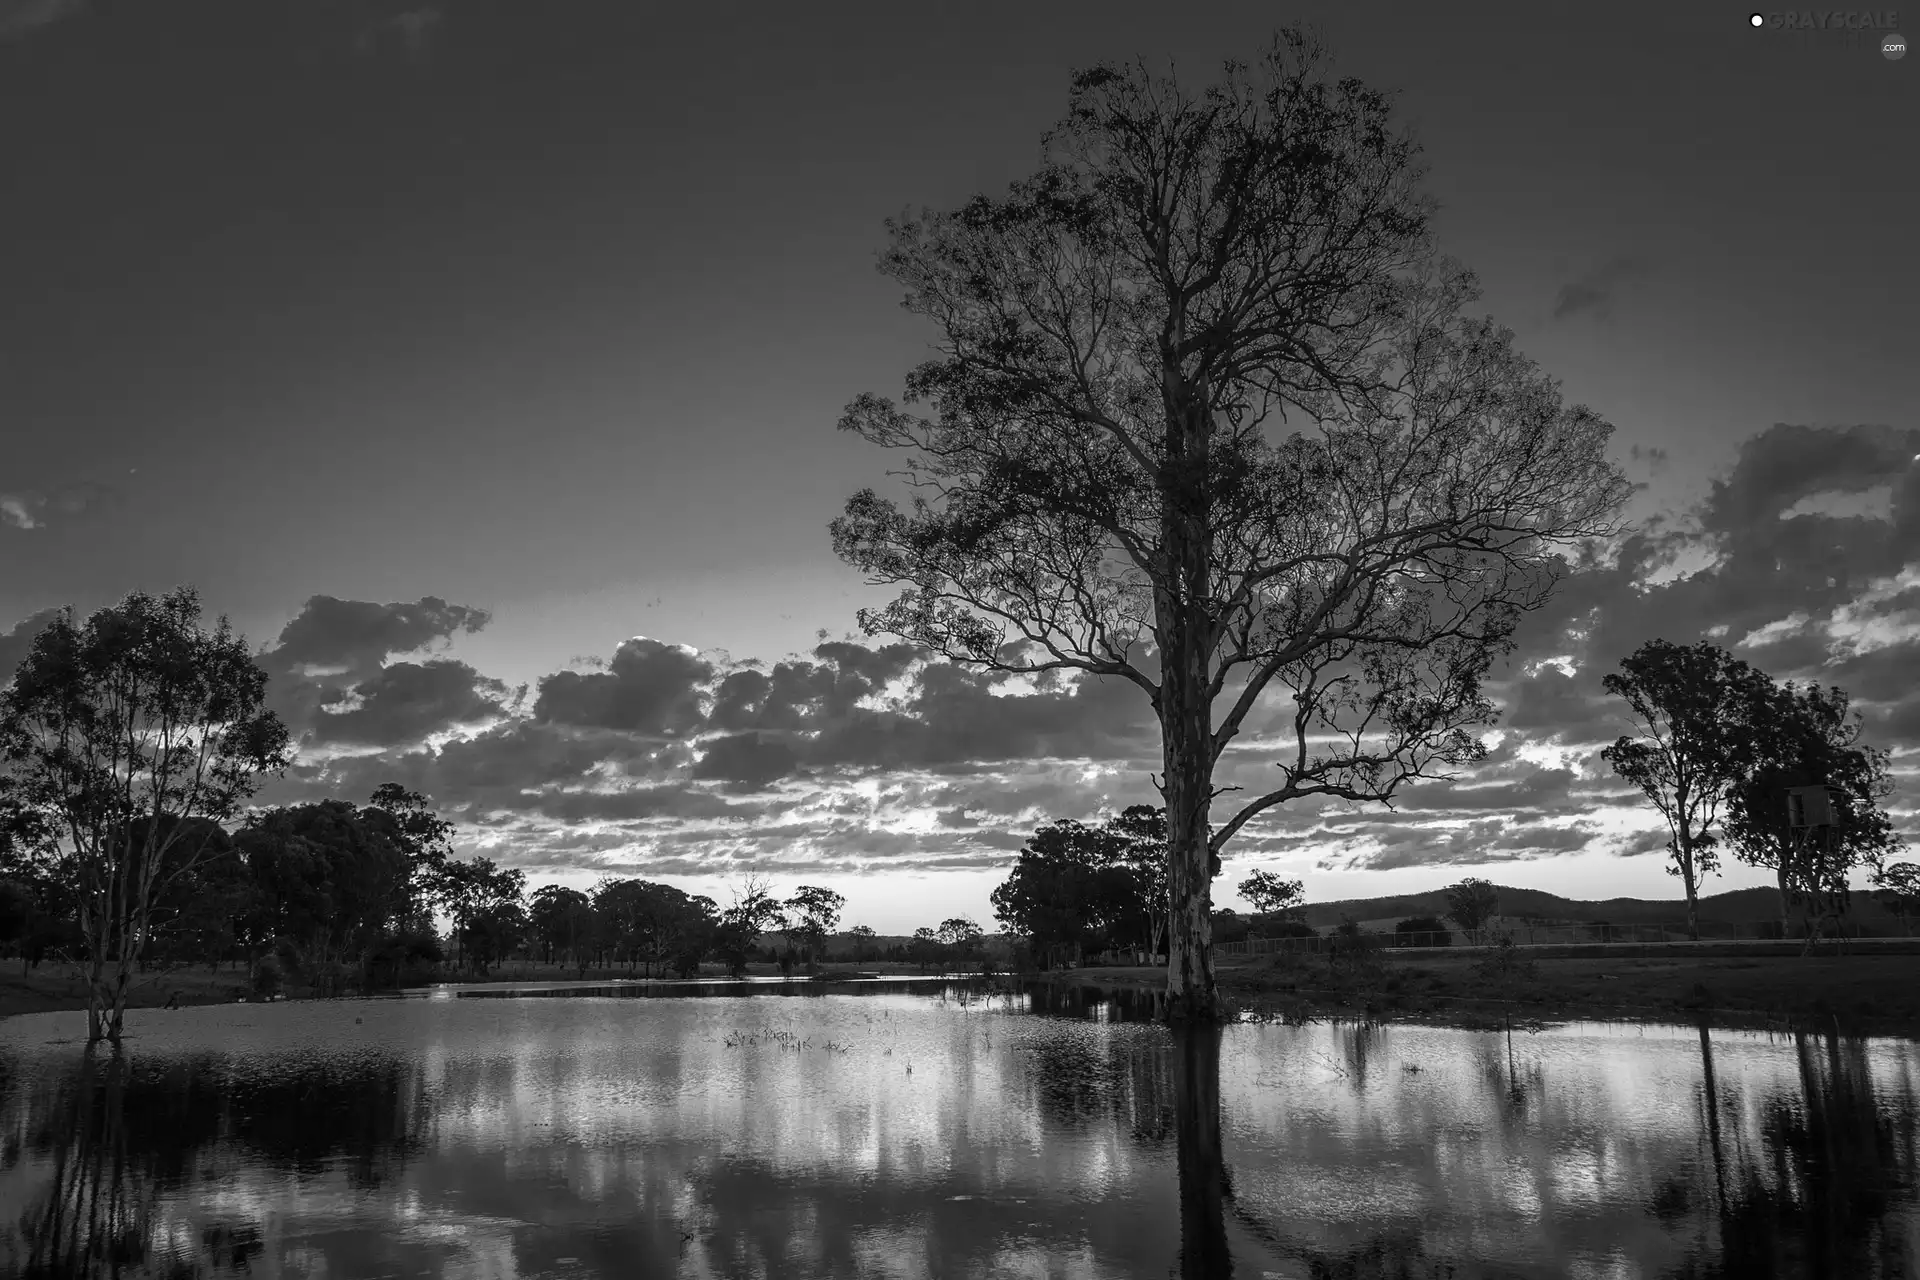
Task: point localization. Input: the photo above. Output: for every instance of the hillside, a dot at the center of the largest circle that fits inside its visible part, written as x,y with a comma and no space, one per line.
1736,906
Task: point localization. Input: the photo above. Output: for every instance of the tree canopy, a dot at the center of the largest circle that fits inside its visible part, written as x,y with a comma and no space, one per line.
1097,487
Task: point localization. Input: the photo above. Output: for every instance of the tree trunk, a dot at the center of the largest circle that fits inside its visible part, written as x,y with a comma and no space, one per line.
1187,733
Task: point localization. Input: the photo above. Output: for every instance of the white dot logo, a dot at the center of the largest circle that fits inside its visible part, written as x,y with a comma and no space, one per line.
1894,46
1757,20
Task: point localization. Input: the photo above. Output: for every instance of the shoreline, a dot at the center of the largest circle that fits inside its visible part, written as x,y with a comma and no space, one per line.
1864,994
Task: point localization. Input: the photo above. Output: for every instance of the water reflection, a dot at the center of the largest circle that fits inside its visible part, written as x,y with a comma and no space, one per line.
942,1129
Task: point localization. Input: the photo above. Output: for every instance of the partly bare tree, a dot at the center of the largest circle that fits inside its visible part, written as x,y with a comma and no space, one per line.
1099,491
122,732
1694,708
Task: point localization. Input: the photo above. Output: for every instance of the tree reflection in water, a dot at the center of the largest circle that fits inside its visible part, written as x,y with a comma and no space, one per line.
119,1134
1206,1171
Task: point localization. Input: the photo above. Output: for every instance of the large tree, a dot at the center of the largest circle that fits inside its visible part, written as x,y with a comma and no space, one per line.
1694,712
1810,736
1098,488
108,728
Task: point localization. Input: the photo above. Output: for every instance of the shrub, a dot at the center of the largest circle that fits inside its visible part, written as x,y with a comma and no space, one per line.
1423,931
268,978
1286,929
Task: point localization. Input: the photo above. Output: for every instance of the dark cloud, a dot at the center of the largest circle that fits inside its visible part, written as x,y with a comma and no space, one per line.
1595,291
648,687
748,760
405,702
15,642
358,635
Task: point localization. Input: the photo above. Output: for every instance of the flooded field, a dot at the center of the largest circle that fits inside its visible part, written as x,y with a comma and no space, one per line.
936,1129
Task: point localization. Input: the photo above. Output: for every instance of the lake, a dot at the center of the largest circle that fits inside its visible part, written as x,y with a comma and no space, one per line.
934,1129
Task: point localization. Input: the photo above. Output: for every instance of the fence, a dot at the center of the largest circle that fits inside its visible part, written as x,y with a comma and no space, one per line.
1524,933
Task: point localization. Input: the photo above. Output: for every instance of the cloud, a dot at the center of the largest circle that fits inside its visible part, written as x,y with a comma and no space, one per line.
332,647
648,687
861,757
407,702
32,508
1595,291
21,18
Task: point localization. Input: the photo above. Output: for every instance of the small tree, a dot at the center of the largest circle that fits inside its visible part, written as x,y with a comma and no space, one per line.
863,943
961,937
1696,709
1810,737
1471,903
139,716
814,912
1898,886
754,911
1271,895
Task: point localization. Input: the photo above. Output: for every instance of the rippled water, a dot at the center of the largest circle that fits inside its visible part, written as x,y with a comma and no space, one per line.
909,1130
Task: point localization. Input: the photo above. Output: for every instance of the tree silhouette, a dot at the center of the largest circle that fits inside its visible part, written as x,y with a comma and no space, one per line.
1472,902
1810,737
1697,709
138,714
1119,331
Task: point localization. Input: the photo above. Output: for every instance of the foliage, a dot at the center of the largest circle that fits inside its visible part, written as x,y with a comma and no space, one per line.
1697,708
1810,736
754,911
562,923
814,912
1269,893
1431,930
1472,902
139,714
1078,888
1898,886
1116,334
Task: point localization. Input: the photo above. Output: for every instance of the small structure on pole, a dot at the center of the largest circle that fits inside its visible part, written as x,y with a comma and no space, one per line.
1810,830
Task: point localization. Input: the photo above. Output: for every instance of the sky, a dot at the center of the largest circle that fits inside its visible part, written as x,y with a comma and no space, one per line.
482,362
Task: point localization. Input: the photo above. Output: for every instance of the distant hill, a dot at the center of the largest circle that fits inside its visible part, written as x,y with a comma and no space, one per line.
1736,906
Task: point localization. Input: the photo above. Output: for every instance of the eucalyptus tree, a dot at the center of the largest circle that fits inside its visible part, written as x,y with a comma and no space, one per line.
1099,486
1696,711
122,733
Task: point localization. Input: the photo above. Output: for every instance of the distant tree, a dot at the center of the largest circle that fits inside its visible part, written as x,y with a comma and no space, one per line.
409,820
1424,931
814,912
754,911
1270,894
863,942
325,880
1696,711
1117,332
961,938
140,713
1471,903
1073,889
1898,888
925,947
561,921
1140,833
1810,737
486,903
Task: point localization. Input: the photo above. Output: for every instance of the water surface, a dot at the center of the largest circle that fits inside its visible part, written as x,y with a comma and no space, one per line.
902,1129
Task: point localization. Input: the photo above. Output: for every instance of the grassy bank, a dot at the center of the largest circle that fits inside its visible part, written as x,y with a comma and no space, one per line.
50,988
1868,993
56,987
